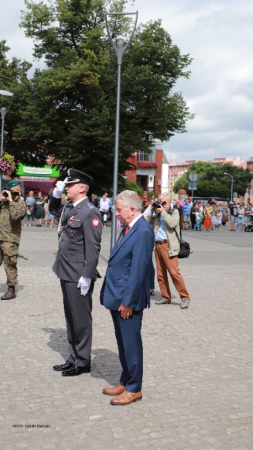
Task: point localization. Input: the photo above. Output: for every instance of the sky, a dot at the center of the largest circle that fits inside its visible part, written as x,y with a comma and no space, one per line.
218,35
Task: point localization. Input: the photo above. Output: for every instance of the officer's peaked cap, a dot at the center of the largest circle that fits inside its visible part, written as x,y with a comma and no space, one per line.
76,176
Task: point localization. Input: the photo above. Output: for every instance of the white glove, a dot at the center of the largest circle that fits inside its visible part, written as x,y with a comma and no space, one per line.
84,284
59,188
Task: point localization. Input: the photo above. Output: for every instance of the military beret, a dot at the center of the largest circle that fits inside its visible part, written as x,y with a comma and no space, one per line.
11,184
76,176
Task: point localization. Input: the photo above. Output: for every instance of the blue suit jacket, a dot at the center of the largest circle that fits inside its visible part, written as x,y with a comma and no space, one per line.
127,276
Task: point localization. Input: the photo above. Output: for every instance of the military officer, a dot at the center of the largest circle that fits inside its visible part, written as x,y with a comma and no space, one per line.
12,211
79,231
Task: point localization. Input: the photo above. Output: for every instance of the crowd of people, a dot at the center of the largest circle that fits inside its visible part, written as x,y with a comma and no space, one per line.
239,215
37,209
194,215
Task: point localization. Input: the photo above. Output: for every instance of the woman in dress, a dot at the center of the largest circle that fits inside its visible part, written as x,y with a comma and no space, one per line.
39,212
208,209
30,201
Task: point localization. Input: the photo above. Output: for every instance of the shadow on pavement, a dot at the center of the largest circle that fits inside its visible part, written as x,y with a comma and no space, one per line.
58,341
105,363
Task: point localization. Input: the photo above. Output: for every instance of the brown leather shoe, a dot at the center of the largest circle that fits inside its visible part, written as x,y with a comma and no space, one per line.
114,390
126,398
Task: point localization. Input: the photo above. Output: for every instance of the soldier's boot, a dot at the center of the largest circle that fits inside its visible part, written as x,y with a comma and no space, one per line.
9,294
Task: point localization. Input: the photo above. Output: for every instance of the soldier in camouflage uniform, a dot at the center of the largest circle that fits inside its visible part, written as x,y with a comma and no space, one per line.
12,211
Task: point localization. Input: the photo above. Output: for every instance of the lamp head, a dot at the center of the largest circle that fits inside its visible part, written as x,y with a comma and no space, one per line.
120,42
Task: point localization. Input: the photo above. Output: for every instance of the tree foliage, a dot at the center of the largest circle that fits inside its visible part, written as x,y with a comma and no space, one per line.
68,109
211,179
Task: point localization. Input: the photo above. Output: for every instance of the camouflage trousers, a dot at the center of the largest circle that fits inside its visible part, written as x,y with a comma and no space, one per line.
8,255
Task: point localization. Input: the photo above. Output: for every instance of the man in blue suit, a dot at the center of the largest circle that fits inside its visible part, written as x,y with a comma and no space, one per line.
126,292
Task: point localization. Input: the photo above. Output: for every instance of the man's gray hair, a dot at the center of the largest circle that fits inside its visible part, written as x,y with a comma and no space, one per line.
167,195
130,199
87,187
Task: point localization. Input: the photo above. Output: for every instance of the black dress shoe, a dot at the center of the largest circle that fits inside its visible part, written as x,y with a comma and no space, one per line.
74,371
64,366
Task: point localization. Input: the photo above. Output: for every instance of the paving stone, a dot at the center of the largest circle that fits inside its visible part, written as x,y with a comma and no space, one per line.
198,372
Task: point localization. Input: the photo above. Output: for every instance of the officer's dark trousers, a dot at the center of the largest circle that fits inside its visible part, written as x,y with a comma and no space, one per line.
128,335
77,310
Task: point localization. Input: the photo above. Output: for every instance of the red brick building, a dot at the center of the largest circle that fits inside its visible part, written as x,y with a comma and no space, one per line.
151,173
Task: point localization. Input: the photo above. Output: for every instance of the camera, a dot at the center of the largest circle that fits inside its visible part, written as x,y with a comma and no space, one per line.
13,193
157,204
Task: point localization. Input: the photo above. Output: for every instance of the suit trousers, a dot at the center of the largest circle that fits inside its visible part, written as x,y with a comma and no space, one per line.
128,335
77,310
164,264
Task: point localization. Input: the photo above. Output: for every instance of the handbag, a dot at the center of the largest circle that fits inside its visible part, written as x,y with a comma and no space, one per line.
185,248
30,210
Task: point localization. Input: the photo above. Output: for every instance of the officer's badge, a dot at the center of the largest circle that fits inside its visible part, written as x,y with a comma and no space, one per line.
95,222
74,219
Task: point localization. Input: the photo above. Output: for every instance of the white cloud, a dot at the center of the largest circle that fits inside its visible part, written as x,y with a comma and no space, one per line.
218,36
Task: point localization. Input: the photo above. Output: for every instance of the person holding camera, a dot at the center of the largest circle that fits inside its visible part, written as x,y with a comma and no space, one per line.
166,228
12,211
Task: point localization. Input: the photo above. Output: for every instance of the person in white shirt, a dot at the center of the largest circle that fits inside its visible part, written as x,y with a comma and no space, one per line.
104,206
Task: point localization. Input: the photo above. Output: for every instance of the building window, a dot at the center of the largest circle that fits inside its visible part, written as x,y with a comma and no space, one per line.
142,156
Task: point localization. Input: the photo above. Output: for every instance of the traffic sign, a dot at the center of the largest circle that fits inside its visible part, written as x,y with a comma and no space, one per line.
193,176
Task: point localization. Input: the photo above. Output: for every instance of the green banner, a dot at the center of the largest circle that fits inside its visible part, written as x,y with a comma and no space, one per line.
42,172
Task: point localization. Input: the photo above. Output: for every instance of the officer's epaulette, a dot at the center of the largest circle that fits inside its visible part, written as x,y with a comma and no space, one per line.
90,205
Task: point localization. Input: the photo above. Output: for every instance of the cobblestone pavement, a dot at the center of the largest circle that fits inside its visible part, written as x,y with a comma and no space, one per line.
198,363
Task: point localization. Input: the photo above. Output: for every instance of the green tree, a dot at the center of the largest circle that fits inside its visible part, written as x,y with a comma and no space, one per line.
68,109
211,179
131,186
13,78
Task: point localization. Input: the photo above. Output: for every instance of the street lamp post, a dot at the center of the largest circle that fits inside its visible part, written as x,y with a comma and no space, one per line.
231,176
120,47
3,114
